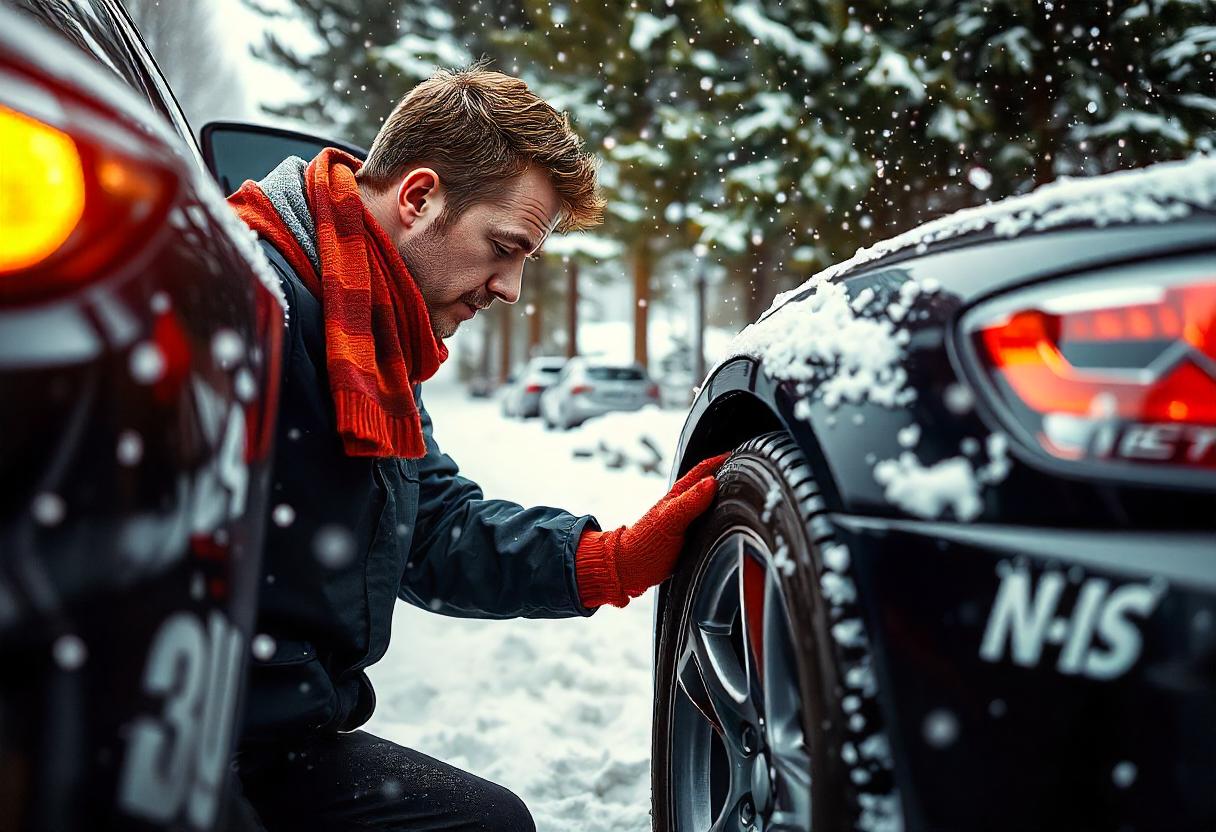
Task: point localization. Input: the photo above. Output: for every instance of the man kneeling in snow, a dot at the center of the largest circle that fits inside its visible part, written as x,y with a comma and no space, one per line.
380,262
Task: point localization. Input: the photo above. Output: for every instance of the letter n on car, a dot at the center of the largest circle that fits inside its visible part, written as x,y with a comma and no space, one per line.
1099,637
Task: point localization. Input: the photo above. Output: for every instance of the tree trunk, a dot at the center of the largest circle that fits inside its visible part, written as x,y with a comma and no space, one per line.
641,300
533,307
758,295
505,313
698,341
571,308
485,363
1042,100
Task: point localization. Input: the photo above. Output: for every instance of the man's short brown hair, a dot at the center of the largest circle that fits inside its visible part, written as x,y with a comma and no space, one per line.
479,130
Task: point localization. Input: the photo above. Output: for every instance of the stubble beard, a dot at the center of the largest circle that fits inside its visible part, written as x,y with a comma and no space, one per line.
418,256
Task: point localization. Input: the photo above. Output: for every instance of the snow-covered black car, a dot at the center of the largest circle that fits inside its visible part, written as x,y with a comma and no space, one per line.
961,573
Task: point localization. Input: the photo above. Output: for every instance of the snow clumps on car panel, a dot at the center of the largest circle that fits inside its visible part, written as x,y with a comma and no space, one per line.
927,491
1158,193
848,349
853,357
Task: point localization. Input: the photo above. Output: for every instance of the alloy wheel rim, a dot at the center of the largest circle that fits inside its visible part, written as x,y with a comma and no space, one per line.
739,759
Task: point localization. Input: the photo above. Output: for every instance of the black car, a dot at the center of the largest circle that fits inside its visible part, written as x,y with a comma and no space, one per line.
140,328
961,574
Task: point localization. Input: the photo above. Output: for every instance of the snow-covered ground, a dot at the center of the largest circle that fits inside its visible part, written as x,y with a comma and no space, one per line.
558,711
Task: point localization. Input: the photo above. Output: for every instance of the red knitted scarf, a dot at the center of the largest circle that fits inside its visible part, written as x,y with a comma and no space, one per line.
378,337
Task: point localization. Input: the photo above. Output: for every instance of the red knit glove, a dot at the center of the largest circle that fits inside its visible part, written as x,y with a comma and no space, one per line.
614,566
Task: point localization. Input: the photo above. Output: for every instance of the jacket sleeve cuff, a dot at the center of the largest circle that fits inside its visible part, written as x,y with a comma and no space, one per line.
595,570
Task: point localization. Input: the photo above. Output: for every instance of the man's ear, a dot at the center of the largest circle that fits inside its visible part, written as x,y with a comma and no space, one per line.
419,197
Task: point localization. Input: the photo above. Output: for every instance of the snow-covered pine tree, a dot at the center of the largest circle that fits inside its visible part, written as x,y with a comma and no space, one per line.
363,56
783,134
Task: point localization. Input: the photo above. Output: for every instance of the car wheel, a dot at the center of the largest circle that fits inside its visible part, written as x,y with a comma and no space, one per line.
763,720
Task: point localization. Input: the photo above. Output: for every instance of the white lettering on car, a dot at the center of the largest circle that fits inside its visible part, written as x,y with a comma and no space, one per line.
1133,442
223,483
1149,442
1025,618
175,760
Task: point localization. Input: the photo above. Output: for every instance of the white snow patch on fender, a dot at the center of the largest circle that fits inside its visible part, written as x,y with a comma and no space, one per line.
823,338
927,491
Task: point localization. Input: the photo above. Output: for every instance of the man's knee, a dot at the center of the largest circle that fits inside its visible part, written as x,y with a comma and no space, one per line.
504,811
358,779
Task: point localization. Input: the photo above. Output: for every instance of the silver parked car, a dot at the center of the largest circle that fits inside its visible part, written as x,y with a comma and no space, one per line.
522,397
589,387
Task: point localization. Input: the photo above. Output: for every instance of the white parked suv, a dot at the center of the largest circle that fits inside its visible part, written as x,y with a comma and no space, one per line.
522,397
589,387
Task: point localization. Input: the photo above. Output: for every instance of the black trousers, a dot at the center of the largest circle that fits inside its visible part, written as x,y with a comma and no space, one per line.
359,781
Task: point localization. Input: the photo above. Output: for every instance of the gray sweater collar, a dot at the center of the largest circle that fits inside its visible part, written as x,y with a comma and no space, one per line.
284,187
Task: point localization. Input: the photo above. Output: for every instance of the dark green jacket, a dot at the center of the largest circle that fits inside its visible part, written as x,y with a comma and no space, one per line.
366,532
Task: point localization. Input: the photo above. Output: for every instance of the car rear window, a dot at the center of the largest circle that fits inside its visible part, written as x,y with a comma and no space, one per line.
614,373
92,27
551,370
100,31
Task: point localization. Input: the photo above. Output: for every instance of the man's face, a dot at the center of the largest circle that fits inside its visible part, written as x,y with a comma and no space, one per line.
467,264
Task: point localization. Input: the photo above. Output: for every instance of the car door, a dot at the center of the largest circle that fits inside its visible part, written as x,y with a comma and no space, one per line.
235,151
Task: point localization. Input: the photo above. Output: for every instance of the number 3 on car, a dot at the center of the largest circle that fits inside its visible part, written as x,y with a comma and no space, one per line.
176,758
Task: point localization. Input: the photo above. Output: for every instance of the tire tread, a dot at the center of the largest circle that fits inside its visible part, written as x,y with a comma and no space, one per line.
780,451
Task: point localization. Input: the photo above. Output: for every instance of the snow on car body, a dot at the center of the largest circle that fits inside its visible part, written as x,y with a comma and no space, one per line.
996,445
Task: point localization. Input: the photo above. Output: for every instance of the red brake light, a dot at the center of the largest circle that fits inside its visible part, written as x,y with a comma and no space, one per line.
653,391
579,389
533,388
1126,370
75,195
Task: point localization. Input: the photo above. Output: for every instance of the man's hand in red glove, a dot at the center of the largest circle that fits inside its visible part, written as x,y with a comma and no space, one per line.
614,566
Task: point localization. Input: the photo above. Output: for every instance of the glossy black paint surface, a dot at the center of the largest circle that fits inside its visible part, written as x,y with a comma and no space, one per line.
1039,746
1056,748
126,615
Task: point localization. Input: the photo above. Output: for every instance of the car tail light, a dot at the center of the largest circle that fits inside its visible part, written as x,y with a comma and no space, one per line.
43,196
75,193
580,389
1120,367
653,391
533,388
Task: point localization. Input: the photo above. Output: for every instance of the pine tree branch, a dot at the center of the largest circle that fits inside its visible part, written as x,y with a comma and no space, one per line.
262,9
272,50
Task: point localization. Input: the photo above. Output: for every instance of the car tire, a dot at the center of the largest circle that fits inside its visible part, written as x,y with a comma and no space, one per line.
803,687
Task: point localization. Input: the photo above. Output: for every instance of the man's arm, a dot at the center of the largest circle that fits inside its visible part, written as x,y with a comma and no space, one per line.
474,557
